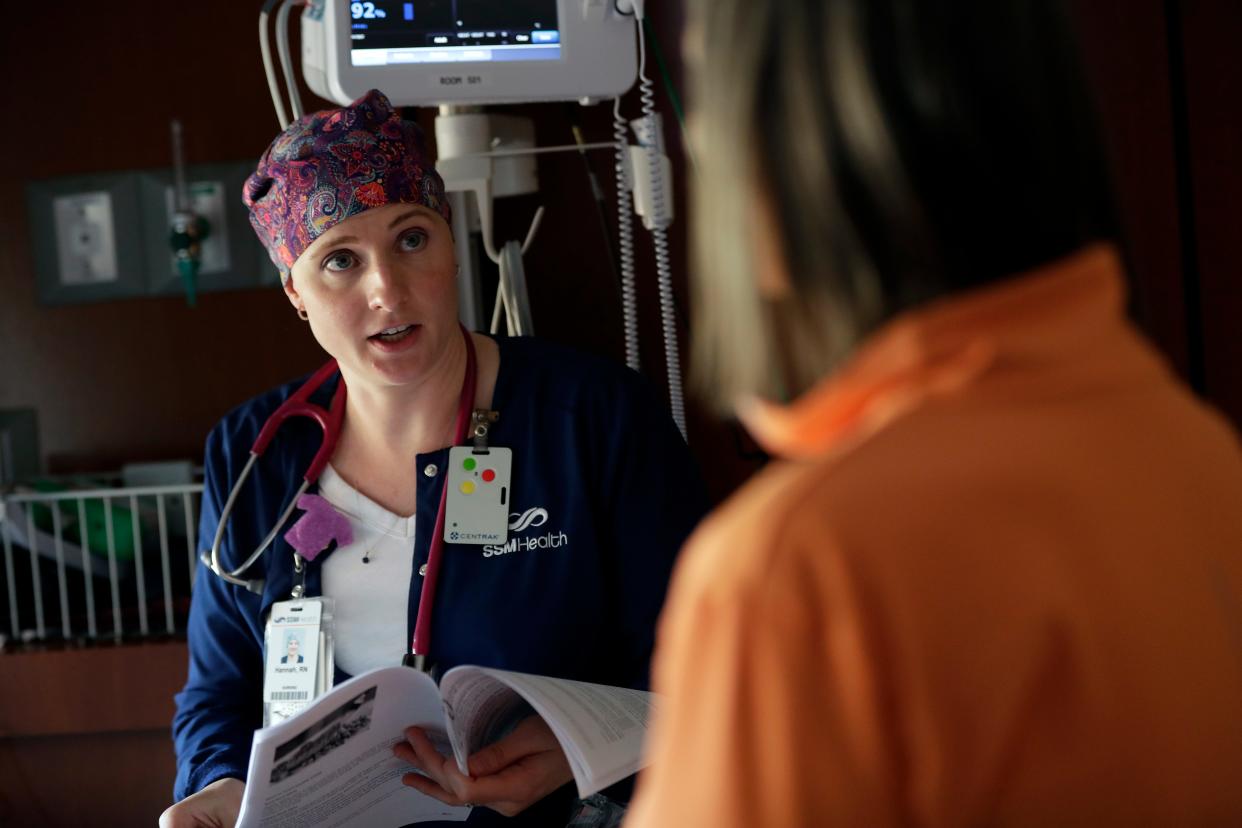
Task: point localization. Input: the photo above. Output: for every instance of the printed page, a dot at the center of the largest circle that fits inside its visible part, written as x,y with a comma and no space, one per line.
480,709
600,728
332,764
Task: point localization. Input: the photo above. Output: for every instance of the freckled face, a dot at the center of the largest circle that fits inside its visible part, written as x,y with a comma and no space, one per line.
380,292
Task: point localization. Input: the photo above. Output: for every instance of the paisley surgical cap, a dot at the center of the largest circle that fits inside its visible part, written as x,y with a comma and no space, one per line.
330,165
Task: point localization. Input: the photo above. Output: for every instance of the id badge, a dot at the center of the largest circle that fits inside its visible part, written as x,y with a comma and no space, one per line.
298,657
479,492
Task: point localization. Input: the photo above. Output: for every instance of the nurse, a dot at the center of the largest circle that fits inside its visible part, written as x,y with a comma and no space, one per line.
603,488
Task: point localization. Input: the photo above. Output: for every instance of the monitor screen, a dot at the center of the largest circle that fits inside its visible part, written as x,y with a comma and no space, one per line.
384,32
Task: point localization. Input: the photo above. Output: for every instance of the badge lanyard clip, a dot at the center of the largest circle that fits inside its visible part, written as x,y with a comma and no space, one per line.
299,576
480,425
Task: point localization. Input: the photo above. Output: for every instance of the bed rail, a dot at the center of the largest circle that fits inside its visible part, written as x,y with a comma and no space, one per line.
79,564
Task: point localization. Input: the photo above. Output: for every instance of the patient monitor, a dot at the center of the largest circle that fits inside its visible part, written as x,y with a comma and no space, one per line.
429,52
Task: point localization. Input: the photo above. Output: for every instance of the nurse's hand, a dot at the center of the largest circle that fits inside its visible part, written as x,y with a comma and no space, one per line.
215,806
507,776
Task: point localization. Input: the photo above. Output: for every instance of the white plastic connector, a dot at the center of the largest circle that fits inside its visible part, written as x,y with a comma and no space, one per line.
464,140
653,190
655,208
649,131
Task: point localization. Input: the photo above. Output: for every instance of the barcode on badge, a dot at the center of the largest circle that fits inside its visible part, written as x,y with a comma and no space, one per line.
289,695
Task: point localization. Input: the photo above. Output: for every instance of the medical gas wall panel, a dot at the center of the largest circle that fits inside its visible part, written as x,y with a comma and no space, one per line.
108,236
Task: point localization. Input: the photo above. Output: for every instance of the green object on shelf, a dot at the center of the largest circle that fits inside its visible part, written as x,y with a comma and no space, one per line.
96,522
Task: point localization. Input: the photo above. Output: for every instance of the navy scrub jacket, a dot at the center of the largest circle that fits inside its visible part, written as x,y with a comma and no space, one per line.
575,595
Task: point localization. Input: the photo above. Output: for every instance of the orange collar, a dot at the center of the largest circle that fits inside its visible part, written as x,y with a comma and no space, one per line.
944,347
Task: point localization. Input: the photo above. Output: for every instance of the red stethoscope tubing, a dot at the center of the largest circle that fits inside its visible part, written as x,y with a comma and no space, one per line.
330,421
422,625
299,405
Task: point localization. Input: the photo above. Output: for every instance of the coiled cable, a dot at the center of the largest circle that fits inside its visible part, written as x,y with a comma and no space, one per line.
625,236
659,236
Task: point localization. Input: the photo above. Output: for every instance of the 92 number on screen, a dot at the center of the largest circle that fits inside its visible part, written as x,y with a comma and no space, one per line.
365,11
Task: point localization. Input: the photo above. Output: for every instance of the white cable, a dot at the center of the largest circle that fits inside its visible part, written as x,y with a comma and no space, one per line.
517,303
266,50
519,295
511,293
505,301
496,308
504,153
282,49
659,237
502,291
668,321
534,229
625,237
505,288
502,300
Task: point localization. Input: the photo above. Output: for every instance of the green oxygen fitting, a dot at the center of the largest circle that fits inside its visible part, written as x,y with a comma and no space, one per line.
188,232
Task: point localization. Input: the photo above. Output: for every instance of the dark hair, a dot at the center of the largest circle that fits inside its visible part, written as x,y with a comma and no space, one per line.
907,148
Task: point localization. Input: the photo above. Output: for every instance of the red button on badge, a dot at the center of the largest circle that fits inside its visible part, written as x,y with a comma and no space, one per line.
488,475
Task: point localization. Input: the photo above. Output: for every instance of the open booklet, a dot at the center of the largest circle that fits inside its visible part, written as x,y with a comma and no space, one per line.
332,763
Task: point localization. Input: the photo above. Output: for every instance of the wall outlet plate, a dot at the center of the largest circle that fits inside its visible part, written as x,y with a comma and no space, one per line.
87,247
85,238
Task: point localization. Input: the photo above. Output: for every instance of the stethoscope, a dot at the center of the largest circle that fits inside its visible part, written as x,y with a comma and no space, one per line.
330,421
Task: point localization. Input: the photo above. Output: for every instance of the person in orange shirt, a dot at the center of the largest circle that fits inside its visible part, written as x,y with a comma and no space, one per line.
997,577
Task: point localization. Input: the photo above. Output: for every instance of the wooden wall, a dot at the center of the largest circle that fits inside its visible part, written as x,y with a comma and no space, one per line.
84,735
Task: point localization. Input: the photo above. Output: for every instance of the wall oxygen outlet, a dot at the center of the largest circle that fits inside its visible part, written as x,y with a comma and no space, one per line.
208,199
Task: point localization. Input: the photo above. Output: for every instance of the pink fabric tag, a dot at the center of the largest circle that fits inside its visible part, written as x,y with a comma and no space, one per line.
321,525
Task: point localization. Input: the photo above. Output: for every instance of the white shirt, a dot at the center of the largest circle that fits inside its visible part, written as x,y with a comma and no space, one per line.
372,599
